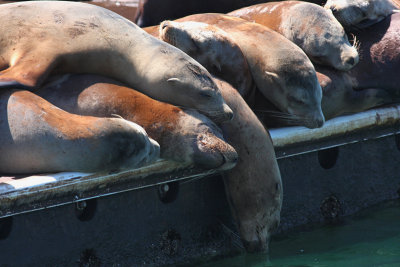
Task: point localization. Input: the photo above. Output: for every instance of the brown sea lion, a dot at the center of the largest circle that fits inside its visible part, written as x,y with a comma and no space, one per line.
38,137
212,48
309,26
152,12
280,69
184,135
39,37
358,14
254,186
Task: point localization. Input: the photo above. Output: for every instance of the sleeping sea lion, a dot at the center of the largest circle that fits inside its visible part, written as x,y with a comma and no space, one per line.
309,26
280,69
42,37
184,135
38,137
359,14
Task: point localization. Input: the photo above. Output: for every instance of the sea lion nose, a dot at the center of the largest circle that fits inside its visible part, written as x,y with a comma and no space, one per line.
350,61
228,112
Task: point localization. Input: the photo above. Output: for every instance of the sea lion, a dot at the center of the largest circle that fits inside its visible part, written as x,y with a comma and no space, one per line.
373,82
359,14
184,135
152,12
380,52
309,26
39,37
38,137
340,96
254,186
212,48
280,69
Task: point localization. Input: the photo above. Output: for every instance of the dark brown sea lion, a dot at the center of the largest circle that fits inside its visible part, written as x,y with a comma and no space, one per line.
152,12
340,96
254,186
380,56
358,14
39,37
280,69
311,27
38,137
184,135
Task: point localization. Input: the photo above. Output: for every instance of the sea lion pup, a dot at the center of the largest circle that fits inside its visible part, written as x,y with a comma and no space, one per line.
38,137
82,38
184,135
212,48
280,69
358,14
309,26
253,187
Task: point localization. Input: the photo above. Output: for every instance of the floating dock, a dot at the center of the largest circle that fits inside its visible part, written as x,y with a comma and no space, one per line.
169,213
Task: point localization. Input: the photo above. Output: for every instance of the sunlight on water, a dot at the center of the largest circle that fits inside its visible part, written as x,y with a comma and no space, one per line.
371,238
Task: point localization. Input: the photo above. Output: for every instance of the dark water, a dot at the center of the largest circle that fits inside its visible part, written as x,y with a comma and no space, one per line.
371,238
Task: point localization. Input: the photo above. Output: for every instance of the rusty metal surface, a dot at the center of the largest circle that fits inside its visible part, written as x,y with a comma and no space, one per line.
20,195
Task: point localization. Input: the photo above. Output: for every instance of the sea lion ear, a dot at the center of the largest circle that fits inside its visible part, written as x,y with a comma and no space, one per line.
272,75
173,80
218,66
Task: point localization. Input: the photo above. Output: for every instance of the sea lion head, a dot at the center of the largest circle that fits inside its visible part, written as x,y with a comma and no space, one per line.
212,48
204,42
200,142
356,14
194,84
298,93
140,150
321,36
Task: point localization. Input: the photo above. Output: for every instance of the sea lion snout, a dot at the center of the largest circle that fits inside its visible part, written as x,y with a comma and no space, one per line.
349,58
218,117
211,152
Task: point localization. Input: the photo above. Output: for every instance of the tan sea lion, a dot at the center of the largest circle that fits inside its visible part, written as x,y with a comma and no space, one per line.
358,14
373,82
309,26
39,37
280,69
184,135
254,186
38,137
212,48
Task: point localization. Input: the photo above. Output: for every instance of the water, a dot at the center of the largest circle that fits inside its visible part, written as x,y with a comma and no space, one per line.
371,238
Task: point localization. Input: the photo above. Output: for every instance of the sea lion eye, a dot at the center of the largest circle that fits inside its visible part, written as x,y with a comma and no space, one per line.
295,100
205,94
165,24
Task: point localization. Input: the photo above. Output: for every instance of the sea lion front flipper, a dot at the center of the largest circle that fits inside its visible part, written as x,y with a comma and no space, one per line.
26,73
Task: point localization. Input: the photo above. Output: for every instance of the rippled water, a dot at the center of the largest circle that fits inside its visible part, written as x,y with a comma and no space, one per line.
371,238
